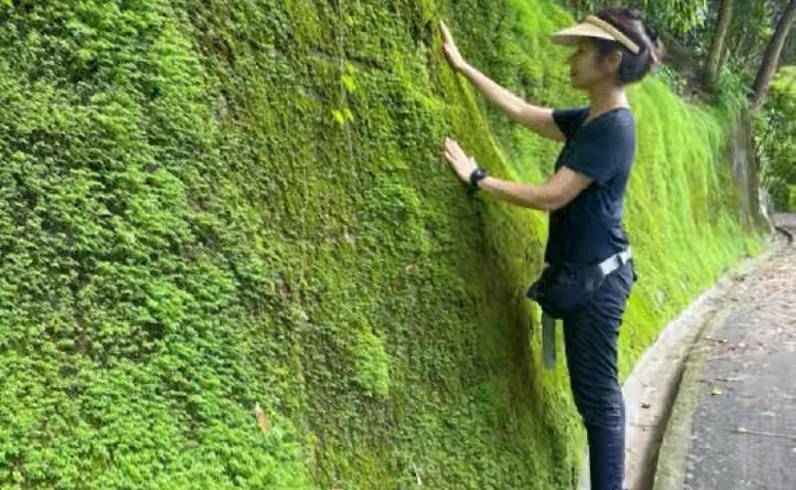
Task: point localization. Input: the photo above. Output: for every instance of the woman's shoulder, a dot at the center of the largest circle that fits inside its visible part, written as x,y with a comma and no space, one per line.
569,120
616,122
624,115
617,116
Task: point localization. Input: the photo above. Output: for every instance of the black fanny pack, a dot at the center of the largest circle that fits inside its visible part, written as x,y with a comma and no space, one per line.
559,290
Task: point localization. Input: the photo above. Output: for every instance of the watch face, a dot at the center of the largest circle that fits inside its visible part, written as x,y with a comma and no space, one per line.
475,177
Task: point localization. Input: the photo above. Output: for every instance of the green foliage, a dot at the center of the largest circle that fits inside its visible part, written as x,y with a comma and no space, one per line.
679,17
792,200
776,138
752,27
208,205
732,90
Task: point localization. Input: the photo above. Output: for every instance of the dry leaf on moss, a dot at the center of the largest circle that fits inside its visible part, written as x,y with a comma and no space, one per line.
262,419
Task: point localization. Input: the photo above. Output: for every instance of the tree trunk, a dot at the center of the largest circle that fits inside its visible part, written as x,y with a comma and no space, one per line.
771,58
719,47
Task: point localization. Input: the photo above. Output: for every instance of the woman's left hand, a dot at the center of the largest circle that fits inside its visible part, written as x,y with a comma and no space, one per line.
461,163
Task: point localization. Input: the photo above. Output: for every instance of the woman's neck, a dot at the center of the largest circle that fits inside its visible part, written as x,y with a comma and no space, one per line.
606,98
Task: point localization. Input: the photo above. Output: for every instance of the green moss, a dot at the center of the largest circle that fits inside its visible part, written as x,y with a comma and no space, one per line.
208,205
372,363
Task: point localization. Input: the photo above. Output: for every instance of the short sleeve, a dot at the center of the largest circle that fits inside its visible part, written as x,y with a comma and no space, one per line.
604,147
569,120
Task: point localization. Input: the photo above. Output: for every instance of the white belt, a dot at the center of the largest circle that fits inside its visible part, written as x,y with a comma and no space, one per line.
614,262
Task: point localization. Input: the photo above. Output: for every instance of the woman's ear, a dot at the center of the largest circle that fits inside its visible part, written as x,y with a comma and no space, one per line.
614,60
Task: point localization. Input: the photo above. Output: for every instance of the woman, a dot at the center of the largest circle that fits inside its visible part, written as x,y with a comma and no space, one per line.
587,244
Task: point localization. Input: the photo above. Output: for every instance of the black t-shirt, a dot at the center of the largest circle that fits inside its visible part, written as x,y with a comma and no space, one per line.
589,228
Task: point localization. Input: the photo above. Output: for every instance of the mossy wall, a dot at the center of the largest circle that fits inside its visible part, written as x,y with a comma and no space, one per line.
206,205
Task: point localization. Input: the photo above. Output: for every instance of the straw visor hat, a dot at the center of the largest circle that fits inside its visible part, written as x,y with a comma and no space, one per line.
594,26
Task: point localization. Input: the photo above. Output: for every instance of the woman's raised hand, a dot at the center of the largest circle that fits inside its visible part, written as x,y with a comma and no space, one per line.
451,51
461,163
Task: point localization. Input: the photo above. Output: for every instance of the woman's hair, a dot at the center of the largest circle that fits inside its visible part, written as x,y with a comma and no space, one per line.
630,22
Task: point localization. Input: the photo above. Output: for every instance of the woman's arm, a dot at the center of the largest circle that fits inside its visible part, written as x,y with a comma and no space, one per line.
539,119
557,192
554,194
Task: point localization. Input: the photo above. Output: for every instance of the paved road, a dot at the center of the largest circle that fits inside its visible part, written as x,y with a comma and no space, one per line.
734,422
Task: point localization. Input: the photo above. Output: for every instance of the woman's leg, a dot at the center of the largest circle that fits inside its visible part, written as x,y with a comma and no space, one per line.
591,337
606,457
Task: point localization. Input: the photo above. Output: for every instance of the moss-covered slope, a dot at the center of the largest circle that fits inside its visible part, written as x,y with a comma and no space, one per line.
206,205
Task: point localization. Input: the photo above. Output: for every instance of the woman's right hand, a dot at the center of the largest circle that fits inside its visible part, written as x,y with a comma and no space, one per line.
451,51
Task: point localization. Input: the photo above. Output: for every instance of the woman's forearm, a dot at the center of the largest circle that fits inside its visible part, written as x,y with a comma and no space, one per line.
497,95
533,196
556,192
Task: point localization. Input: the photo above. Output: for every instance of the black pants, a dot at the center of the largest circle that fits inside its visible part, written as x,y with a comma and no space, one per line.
590,336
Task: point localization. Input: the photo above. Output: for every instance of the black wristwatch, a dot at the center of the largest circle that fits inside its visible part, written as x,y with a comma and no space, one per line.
475,177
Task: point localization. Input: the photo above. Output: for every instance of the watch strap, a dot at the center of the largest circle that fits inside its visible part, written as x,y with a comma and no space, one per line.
475,177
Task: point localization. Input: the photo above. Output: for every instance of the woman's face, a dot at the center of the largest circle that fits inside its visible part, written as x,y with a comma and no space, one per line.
587,68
